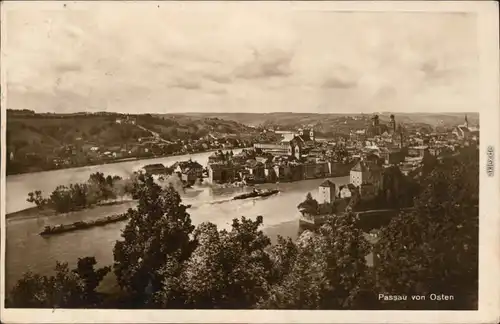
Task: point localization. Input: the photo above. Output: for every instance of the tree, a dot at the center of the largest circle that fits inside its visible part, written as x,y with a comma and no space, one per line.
309,205
157,234
229,270
204,277
66,289
61,199
283,254
91,278
429,162
37,198
328,271
434,249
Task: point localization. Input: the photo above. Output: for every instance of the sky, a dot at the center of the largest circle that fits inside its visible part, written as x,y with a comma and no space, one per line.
162,58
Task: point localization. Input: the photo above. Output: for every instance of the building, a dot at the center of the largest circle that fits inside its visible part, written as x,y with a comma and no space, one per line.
363,173
270,174
465,132
375,128
283,172
221,173
189,170
367,191
290,145
275,149
306,134
346,191
392,125
155,169
391,156
417,151
256,171
327,192
358,172
437,150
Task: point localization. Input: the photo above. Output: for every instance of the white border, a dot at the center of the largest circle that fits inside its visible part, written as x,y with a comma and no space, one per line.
488,107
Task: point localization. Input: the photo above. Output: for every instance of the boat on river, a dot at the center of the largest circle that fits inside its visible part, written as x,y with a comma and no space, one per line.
63,228
257,193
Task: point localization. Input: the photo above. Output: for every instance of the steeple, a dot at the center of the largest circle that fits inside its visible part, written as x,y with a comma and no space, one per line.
466,121
392,124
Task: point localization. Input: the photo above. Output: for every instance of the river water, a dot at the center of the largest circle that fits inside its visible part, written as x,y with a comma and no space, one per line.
27,250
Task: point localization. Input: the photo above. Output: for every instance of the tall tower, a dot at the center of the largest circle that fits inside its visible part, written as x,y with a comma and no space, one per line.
392,124
466,121
297,152
311,134
327,192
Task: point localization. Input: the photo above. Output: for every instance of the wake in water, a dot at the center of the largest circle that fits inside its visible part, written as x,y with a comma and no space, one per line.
220,201
213,202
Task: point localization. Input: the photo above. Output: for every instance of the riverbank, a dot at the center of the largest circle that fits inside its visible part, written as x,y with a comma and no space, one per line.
35,212
120,160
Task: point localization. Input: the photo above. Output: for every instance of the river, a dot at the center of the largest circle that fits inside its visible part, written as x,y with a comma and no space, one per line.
27,250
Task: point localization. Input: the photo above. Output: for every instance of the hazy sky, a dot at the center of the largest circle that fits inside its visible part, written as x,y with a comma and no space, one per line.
247,58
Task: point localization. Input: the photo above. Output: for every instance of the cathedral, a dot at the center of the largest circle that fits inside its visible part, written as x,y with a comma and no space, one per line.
375,128
391,130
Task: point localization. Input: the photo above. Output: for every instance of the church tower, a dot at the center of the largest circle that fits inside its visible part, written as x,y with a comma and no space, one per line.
311,134
392,124
466,122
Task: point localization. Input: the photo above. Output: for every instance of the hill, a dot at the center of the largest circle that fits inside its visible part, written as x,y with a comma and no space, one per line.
342,123
37,139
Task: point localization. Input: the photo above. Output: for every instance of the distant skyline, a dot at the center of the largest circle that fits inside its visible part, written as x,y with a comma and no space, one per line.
237,58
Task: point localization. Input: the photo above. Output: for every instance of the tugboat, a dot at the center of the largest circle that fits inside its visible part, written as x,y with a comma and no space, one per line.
256,193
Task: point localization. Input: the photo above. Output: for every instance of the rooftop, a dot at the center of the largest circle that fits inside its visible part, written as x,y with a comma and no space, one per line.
360,167
327,183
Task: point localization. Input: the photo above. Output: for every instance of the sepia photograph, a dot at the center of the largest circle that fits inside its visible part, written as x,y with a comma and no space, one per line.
248,156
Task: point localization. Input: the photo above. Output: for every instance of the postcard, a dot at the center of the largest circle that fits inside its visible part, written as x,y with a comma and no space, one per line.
250,162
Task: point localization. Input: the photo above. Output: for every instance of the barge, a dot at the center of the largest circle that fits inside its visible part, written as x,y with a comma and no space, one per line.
63,228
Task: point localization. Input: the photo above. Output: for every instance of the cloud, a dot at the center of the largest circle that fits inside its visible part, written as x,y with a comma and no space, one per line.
433,71
386,92
338,83
218,91
185,84
218,78
272,64
402,60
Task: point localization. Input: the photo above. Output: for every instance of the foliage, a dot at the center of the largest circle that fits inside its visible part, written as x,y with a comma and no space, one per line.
91,278
163,261
157,235
37,198
309,205
66,289
227,270
327,270
81,195
434,249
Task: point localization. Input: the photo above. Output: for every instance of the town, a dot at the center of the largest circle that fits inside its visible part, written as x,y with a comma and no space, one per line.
300,155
